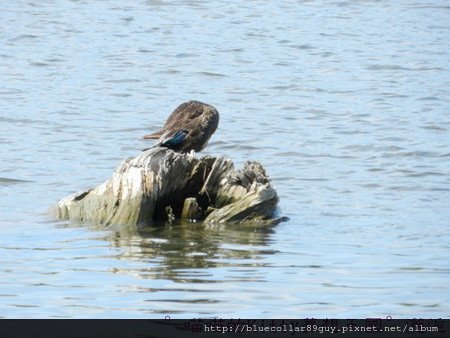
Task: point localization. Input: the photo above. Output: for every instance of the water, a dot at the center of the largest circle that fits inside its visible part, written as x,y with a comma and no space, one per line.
346,104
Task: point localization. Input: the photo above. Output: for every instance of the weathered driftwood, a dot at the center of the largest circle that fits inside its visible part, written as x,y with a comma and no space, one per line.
160,184
191,209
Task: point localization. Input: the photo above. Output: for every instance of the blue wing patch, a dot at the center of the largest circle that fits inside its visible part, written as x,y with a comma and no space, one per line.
175,140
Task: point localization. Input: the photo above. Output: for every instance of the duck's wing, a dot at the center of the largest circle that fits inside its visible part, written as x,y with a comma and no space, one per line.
179,117
189,127
179,113
185,116
201,122
172,139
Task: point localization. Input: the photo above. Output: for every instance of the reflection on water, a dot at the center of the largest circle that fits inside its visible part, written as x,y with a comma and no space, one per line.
176,252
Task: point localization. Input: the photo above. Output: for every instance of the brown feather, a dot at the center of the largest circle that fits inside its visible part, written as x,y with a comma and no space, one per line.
156,135
200,120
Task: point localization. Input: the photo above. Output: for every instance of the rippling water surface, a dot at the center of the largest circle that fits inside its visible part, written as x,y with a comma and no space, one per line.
345,103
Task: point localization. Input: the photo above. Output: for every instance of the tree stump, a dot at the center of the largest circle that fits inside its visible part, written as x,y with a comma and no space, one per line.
143,188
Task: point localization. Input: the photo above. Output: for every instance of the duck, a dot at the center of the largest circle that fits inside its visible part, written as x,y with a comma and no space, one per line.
188,128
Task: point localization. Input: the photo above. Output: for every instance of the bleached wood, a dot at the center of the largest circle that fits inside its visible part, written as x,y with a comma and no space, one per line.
141,188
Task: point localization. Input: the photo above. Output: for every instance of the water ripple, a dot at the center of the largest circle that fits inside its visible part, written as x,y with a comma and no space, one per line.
347,111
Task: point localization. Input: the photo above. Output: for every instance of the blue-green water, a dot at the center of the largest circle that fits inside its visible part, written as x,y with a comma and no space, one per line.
346,104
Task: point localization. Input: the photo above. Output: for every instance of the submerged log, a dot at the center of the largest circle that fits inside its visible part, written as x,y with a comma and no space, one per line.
159,185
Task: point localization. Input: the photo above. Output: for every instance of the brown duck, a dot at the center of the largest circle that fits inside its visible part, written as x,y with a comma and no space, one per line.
189,127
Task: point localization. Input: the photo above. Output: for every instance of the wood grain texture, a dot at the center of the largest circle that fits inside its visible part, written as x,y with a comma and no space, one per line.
142,188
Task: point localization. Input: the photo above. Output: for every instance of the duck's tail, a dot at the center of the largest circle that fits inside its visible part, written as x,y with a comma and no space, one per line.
156,135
